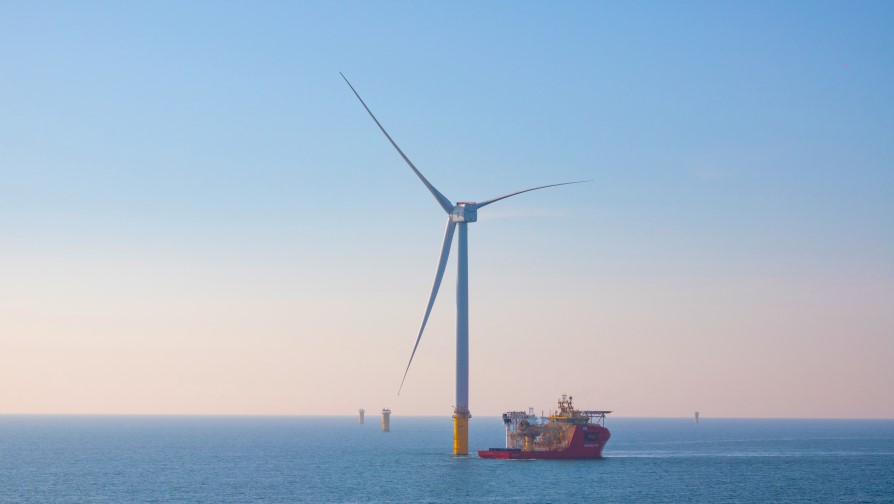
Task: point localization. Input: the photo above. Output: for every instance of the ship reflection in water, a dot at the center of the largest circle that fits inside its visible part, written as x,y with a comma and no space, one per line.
568,433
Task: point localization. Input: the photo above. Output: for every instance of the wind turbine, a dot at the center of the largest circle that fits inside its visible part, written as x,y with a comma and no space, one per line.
458,215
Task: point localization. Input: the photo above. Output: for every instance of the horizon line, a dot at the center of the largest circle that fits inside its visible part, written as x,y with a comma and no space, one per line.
375,414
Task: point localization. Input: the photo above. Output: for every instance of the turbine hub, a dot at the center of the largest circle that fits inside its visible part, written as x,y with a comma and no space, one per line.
464,212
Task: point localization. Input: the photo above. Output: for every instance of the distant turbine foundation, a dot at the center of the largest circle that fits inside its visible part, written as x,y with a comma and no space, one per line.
386,420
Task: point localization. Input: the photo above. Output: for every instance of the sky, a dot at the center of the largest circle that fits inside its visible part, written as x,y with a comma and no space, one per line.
198,217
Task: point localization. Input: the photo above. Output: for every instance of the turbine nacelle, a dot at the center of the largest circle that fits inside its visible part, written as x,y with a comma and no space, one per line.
464,212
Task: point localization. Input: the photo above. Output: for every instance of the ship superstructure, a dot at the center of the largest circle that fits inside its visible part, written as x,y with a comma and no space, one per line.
565,433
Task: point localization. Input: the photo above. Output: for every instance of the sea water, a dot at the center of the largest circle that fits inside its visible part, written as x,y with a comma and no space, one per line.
141,459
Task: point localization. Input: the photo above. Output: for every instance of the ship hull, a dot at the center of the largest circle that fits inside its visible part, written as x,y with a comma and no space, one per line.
586,443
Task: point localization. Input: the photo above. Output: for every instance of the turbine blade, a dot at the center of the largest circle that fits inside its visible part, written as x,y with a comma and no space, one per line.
442,200
493,200
439,274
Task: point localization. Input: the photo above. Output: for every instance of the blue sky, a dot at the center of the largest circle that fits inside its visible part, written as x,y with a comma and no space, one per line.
201,169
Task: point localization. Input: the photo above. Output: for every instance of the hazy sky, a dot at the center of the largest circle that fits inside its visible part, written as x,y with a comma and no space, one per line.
197,216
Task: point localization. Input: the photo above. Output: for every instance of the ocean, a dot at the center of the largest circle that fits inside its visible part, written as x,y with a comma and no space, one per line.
181,459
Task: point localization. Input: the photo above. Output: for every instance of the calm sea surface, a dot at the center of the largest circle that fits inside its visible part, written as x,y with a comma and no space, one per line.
50,459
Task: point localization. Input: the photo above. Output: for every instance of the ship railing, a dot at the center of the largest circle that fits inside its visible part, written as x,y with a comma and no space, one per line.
599,415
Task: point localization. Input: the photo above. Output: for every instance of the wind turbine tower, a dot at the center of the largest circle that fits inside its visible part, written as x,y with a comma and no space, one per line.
459,215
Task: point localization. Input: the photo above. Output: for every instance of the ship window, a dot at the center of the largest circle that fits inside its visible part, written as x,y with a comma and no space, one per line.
591,437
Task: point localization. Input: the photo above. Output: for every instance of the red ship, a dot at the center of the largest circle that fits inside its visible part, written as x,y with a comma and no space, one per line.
566,434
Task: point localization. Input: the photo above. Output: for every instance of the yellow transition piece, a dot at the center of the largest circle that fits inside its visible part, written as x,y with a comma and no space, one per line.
461,432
